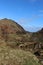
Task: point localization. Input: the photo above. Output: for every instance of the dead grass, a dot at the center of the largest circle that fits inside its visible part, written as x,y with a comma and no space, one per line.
9,56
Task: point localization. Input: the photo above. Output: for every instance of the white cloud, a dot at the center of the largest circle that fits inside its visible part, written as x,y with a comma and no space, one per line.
41,11
37,16
24,21
33,28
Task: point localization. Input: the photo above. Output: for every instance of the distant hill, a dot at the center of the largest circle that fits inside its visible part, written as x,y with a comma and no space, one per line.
38,36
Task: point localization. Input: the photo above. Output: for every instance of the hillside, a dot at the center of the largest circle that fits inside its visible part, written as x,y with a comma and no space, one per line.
38,38
9,56
38,35
11,26
13,36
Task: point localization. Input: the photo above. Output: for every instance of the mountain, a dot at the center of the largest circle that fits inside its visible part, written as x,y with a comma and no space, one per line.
9,29
11,26
13,36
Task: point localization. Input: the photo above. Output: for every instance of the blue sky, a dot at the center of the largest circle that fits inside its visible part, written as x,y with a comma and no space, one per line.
28,13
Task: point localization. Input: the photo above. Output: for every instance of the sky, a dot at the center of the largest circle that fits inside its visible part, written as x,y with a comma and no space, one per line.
28,13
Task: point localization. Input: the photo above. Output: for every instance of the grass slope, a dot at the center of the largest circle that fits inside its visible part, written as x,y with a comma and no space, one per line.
9,56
